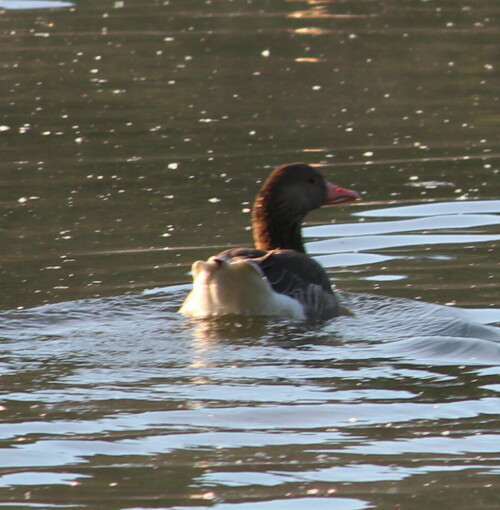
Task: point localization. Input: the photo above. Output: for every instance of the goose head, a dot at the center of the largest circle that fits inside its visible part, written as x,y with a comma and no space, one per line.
286,197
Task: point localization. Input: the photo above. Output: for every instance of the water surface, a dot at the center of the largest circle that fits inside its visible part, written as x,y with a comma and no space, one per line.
134,136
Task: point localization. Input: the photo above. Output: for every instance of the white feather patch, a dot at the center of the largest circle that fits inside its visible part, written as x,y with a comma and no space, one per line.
236,287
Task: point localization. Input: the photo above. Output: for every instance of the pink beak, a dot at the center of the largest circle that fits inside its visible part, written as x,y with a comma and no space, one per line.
337,195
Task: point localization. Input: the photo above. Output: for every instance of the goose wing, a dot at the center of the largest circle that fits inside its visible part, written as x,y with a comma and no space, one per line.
293,274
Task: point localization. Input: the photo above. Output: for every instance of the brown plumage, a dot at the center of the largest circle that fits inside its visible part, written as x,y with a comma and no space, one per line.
299,283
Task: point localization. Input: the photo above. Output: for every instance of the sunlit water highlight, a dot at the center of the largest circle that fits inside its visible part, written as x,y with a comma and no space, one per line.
34,4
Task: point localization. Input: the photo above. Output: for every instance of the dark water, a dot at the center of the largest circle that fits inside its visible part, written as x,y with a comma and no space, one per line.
133,137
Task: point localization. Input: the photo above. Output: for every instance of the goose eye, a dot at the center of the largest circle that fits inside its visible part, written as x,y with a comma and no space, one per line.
312,180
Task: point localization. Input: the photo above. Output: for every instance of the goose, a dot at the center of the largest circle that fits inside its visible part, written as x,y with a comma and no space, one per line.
276,278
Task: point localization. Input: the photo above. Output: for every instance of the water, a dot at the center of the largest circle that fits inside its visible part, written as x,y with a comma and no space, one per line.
134,136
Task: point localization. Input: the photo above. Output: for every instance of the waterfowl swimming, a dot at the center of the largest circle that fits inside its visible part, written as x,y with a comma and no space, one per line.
276,278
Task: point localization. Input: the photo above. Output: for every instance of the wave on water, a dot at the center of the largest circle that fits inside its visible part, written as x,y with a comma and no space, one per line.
417,330
379,325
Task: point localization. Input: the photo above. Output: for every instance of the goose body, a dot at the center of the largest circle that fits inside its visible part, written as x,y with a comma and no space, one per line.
236,286
276,278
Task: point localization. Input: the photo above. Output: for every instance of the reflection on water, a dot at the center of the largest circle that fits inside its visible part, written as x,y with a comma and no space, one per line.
134,136
34,4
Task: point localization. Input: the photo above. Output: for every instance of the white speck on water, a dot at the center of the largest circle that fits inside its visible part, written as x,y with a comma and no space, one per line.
208,496
368,154
313,491
385,277
266,53
173,166
214,200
